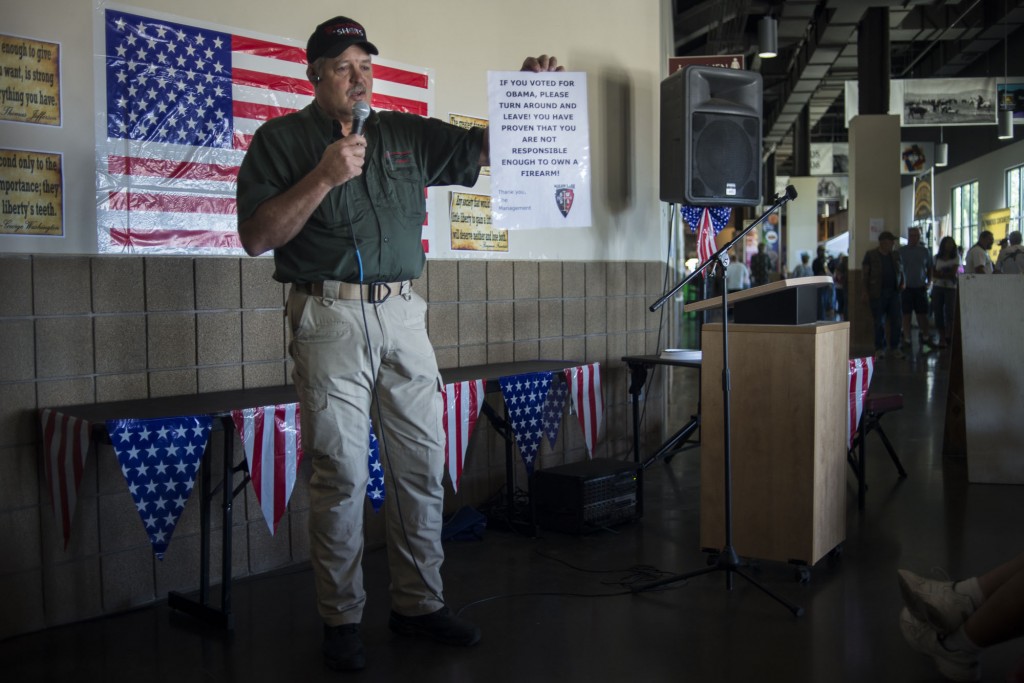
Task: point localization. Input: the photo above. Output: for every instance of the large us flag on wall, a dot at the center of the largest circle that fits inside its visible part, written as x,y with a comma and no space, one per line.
179,101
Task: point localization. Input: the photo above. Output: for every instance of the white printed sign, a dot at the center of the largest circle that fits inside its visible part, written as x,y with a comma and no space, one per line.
540,149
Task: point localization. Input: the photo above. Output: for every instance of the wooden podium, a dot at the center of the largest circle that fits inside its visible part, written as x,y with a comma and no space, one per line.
789,398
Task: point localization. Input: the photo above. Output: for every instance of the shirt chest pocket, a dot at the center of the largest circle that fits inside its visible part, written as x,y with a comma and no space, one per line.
402,187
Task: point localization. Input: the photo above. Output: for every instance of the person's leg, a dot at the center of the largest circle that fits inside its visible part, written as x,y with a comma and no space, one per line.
411,420
907,306
332,378
412,451
946,605
895,323
950,314
921,309
939,306
878,318
992,580
1001,616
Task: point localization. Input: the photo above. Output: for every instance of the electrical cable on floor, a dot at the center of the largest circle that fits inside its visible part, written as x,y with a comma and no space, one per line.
635,575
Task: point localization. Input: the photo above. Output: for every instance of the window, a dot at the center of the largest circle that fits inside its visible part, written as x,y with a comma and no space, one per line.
1015,197
965,214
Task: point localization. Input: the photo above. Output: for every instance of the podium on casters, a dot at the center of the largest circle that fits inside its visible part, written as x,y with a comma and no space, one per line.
788,441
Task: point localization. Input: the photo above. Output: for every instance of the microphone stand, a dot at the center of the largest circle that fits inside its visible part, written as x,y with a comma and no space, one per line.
727,560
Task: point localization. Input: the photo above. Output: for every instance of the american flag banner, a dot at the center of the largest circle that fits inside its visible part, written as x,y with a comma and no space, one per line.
524,396
708,221
554,407
861,371
159,459
180,101
462,404
66,446
587,401
375,487
272,440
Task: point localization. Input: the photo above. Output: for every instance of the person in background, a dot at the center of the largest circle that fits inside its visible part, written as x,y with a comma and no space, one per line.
883,280
737,276
978,260
826,295
839,276
342,207
954,621
1011,258
804,269
947,265
918,269
760,266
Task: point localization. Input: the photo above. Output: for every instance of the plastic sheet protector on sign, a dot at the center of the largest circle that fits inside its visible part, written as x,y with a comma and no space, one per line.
540,149
179,101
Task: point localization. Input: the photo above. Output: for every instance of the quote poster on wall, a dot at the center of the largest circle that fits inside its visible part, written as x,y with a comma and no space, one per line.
31,193
467,122
29,81
470,217
540,149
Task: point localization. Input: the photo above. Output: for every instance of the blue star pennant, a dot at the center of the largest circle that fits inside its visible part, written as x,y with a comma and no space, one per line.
524,397
375,487
719,216
159,459
554,407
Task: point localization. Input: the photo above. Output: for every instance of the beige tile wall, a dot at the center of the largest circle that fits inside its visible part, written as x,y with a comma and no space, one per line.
93,329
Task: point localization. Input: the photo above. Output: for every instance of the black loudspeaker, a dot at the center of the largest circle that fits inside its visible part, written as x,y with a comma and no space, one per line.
711,137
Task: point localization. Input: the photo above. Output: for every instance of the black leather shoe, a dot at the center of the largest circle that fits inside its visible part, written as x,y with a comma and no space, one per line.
343,648
441,625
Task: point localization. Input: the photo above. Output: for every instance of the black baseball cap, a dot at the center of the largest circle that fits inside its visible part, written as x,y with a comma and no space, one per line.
336,35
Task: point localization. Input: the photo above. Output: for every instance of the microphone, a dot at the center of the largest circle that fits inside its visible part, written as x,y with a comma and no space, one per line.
360,112
790,192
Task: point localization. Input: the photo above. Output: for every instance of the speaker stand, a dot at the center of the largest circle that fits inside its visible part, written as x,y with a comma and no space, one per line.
727,560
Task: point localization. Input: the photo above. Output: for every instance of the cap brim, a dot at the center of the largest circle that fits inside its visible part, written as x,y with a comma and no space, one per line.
338,48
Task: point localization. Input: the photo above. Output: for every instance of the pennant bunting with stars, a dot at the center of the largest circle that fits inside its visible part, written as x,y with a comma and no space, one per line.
554,406
525,395
708,221
375,486
159,459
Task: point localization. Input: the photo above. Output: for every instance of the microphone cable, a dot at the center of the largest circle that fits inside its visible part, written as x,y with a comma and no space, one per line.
381,428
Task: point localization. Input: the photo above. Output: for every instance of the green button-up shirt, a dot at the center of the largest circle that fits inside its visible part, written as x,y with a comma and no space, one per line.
380,213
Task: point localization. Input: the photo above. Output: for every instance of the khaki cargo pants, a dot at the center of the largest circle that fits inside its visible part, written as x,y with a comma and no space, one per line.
333,374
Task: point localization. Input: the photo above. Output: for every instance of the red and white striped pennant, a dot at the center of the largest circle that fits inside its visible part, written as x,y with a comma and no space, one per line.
861,370
271,437
462,404
66,444
585,389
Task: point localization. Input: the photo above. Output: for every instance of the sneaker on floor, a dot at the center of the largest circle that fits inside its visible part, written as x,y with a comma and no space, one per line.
441,625
343,648
953,664
897,354
935,602
879,355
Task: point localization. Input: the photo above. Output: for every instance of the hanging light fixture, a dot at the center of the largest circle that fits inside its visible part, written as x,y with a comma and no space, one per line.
941,152
1005,113
767,37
